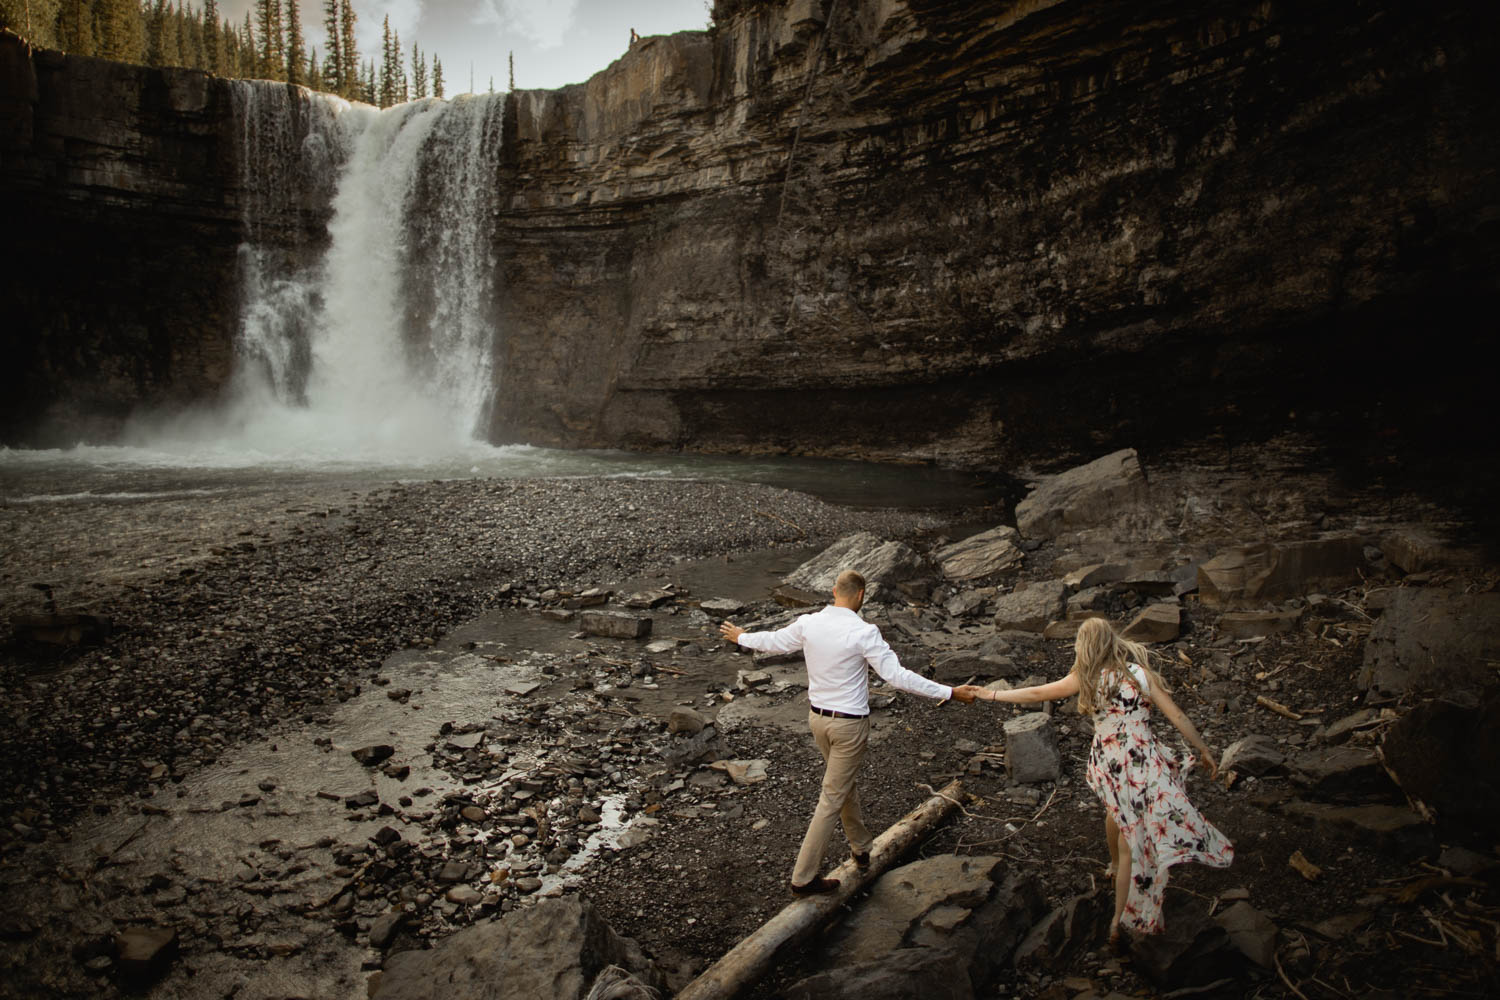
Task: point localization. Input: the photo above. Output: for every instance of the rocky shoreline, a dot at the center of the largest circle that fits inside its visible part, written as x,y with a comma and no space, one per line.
403,712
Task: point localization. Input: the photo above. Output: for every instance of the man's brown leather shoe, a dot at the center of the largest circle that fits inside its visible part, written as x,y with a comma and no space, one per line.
861,861
816,887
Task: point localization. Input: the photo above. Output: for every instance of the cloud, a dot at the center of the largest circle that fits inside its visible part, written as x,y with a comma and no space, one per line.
545,22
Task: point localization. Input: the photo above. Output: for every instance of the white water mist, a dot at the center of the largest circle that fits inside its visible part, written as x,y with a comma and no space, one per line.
377,347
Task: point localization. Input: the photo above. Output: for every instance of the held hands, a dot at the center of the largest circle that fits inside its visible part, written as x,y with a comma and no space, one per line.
967,693
731,631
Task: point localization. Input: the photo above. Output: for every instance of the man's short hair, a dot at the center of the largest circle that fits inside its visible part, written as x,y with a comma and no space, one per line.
848,584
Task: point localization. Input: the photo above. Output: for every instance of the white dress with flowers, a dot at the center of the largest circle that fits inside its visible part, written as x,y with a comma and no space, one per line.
1140,782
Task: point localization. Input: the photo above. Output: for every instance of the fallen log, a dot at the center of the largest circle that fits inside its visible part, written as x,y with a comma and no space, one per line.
745,963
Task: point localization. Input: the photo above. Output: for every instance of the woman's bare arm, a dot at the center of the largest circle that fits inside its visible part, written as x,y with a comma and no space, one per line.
1185,726
1065,688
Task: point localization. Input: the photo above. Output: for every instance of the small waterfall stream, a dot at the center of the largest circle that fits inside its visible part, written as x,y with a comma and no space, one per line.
381,346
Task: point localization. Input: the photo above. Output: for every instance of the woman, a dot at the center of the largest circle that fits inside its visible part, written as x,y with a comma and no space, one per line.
1139,780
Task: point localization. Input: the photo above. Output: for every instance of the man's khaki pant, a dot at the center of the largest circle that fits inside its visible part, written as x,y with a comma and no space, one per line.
842,744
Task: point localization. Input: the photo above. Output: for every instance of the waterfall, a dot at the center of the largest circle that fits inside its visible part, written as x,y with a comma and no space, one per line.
378,344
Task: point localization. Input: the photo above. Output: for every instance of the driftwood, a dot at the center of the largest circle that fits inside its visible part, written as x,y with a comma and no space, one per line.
745,963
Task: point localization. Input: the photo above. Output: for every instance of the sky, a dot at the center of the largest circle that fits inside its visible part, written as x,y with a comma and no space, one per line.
556,42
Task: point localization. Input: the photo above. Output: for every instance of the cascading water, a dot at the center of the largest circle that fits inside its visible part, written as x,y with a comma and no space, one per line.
380,349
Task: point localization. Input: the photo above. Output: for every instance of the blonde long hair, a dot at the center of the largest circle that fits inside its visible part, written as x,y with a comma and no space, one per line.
1100,649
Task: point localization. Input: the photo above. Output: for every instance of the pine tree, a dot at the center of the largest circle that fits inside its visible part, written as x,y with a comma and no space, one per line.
333,63
272,49
492,84
75,27
249,56
190,35
418,73
120,30
437,77
296,49
314,71
213,50
387,94
401,92
349,80
512,73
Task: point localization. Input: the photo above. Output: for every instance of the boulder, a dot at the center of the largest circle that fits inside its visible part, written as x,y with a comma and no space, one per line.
1255,574
685,720
1447,756
1066,932
1257,754
970,602
648,598
1251,931
1031,752
371,755
794,597
615,624
981,556
1155,623
1031,609
553,949
721,607
883,564
1345,774
144,953
1413,548
1191,949
1083,497
1394,830
1096,575
1431,639
967,908
1254,624
959,665
61,629
904,973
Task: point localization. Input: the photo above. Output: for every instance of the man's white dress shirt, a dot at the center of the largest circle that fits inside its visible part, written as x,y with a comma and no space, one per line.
837,644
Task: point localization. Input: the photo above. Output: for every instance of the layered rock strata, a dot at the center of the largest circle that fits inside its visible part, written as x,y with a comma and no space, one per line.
907,229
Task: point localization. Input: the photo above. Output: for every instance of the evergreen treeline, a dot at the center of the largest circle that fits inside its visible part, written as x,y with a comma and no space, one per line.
269,46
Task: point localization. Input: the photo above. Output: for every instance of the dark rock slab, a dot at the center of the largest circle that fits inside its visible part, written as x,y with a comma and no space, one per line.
144,953
553,950
1254,574
1430,639
1446,755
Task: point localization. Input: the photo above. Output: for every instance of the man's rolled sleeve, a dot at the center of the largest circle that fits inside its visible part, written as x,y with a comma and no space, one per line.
880,655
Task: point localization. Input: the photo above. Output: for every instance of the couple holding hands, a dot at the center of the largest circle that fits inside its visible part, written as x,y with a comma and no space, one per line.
1149,823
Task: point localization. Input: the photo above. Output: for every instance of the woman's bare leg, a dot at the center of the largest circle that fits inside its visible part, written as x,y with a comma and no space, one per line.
1112,836
1122,891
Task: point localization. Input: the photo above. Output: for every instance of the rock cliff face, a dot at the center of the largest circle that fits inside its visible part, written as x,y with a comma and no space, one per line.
874,228
1006,227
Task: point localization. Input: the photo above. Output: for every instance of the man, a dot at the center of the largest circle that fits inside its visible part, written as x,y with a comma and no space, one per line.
837,645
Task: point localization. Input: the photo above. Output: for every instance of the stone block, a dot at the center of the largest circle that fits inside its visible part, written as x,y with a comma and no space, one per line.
1155,623
1096,575
1083,497
1251,931
1431,639
981,556
1031,752
1413,548
1253,624
1031,609
144,953
685,720
1394,830
1446,755
959,665
721,607
615,624
1255,574
1352,774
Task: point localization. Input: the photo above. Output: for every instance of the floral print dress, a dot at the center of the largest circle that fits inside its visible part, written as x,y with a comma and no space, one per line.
1140,782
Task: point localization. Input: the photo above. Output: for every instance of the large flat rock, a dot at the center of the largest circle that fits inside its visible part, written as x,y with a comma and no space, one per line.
1083,497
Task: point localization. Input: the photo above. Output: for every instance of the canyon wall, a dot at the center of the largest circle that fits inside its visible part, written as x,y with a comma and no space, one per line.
1007,228
901,229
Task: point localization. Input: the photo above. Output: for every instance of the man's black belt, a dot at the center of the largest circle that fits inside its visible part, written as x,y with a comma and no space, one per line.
837,715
